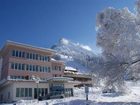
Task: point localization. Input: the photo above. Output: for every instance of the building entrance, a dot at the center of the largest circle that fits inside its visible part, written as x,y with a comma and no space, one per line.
56,89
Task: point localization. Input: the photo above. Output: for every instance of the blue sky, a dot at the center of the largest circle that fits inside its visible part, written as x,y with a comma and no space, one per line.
43,22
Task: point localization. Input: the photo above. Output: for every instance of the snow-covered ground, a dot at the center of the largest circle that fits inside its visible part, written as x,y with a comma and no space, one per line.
95,98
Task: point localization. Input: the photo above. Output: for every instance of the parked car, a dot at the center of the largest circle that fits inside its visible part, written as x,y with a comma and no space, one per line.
49,96
108,91
40,98
57,96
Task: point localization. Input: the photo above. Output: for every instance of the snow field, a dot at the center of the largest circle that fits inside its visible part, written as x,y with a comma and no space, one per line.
95,98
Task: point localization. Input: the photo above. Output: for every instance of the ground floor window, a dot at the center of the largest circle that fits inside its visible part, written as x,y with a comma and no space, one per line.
56,89
23,92
8,95
68,92
40,92
1,97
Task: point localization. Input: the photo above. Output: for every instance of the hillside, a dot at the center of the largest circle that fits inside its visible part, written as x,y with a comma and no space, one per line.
78,56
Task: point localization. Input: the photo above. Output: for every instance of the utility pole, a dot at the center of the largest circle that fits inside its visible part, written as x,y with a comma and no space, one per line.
86,91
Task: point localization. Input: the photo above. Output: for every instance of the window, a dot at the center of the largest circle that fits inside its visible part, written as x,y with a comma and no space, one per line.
46,91
17,77
27,67
20,53
27,55
43,68
55,67
14,77
11,77
30,92
8,95
16,66
49,69
41,91
16,53
30,67
17,92
31,56
59,68
46,58
12,65
13,53
19,66
22,92
36,68
23,54
36,56
33,67
22,77
26,92
46,69
43,59
40,69
23,66
40,57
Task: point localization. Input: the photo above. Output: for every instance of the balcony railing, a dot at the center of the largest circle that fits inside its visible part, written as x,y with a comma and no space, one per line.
78,75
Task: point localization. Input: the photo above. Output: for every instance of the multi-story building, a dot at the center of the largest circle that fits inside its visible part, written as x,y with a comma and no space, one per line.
29,71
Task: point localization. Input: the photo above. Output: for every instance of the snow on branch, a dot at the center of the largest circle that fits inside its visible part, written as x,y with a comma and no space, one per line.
118,34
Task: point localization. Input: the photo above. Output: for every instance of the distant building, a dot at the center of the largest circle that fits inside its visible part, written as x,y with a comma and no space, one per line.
22,64
81,78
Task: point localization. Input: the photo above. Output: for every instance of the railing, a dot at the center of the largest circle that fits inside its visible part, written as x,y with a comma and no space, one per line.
78,75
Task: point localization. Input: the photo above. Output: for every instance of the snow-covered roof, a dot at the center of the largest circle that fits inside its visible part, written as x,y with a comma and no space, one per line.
70,68
52,59
56,61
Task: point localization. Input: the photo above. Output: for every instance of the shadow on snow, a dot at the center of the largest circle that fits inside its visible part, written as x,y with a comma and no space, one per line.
83,102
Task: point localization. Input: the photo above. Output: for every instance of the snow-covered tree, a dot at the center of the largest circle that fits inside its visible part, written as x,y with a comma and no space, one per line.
118,34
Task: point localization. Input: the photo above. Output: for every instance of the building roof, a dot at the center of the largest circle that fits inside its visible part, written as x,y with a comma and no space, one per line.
8,42
68,68
56,61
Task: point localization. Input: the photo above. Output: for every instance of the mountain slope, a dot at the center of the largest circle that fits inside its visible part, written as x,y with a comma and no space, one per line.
74,55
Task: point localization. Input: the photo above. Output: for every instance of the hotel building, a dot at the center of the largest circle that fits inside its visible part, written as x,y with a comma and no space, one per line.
27,72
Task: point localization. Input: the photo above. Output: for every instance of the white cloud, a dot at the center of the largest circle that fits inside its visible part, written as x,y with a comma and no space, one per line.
64,41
